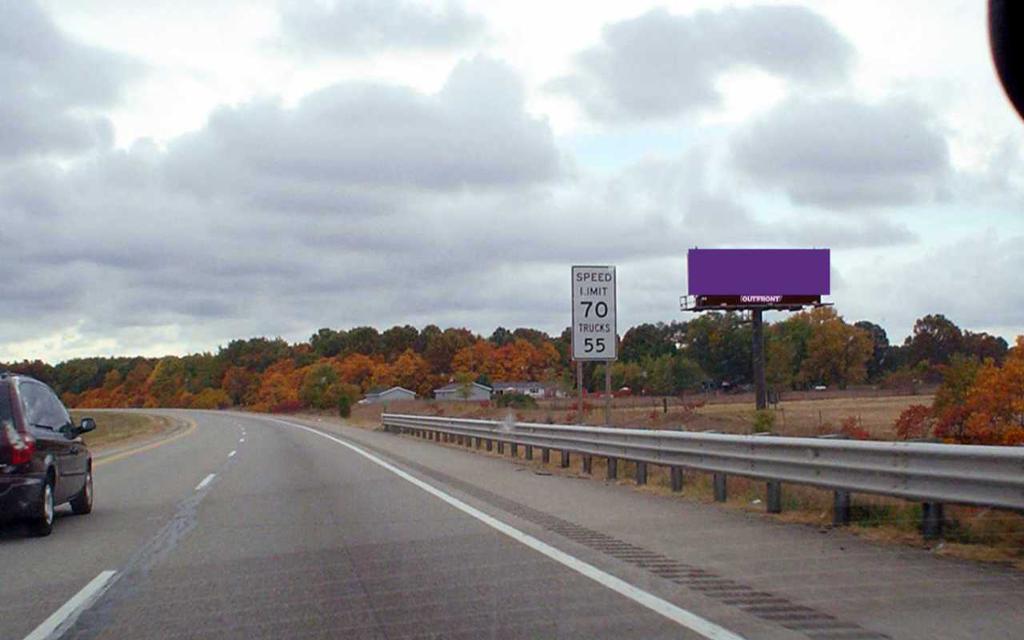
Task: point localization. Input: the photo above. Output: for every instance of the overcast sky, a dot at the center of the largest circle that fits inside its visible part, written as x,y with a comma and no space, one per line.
174,175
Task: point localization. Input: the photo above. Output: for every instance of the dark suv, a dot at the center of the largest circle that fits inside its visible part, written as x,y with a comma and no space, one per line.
43,462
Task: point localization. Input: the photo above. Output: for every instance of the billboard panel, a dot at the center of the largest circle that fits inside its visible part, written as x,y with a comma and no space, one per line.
758,272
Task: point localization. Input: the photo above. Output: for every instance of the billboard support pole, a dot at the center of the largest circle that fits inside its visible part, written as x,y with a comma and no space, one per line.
579,391
608,393
760,392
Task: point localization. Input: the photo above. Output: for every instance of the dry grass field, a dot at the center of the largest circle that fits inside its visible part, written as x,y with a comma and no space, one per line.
114,428
816,417
791,417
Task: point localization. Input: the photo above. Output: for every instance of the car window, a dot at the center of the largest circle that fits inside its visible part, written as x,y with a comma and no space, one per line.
56,412
42,407
6,414
33,402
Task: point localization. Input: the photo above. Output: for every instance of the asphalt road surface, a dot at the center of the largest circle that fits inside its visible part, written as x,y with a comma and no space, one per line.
258,527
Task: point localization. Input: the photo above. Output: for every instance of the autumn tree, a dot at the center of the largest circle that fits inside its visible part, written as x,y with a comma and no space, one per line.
240,384
357,369
441,347
411,371
837,353
166,384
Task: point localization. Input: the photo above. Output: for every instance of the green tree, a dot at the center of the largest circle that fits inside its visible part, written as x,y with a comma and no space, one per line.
397,340
721,343
167,382
647,341
364,340
935,339
320,387
877,365
328,343
501,337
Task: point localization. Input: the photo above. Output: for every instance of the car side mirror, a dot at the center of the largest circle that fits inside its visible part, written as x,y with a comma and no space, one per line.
88,424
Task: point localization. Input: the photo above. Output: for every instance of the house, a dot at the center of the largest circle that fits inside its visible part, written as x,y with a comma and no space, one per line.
394,394
532,389
466,392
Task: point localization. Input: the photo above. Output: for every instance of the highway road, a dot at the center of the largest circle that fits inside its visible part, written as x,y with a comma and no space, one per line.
262,527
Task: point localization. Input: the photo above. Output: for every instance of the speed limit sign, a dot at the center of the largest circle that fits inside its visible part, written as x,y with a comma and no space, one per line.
593,313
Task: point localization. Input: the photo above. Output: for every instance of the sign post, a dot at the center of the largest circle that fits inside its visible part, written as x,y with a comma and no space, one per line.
594,325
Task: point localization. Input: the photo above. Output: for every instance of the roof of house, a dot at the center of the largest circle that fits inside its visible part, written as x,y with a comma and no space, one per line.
455,386
380,392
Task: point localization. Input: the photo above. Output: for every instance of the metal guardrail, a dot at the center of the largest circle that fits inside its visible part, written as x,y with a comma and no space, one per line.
929,473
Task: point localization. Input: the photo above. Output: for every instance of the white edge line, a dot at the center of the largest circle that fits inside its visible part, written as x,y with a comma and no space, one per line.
663,607
241,439
71,609
205,481
232,454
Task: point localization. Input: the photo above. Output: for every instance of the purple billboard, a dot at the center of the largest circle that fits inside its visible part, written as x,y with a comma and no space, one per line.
758,273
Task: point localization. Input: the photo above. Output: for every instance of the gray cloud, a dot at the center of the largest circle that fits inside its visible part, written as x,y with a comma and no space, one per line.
49,84
371,26
660,65
974,280
370,136
843,153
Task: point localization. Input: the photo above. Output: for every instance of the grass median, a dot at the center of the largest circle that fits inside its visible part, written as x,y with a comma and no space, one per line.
115,429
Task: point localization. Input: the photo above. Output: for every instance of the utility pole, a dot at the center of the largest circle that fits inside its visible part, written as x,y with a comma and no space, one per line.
608,393
579,391
760,390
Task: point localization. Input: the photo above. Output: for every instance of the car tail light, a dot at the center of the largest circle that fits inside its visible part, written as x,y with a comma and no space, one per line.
19,445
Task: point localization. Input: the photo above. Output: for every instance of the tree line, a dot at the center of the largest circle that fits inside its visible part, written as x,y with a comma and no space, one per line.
712,351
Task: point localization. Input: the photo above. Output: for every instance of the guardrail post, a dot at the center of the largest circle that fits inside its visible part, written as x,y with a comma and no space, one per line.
841,508
489,444
588,464
545,455
479,440
501,447
613,468
721,488
641,473
676,477
931,520
513,449
529,452
565,458
773,499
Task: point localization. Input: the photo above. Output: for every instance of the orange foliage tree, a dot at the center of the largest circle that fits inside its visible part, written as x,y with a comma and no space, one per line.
976,404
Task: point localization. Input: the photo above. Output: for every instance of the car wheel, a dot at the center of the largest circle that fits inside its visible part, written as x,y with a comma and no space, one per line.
42,523
82,503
